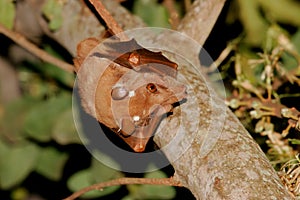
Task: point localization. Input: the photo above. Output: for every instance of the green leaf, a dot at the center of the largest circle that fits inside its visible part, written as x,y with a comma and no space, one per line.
153,13
106,159
156,174
102,172
16,162
290,61
97,173
253,21
158,191
296,40
295,141
4,149
41,119
53,11
53,71
7,13
20,193
80,180
85,178
51,163
11,126
64,130
284,11
128,198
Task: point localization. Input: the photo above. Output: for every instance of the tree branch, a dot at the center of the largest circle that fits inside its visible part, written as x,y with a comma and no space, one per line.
78,17
125,181
234,167
200,19
173,13
109,20
23,42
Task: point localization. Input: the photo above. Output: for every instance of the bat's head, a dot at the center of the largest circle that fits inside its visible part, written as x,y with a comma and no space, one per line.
139,101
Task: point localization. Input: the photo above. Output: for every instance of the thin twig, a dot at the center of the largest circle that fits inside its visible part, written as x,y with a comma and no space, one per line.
109,20
224,54
43,55
125,181
174,16
187,5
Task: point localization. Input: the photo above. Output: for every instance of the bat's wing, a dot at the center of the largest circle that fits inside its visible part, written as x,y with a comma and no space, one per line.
133,56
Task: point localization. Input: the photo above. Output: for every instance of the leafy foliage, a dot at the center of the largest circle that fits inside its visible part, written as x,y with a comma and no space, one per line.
153,13
260,82
43,131
95,174
52,9
7,13
12,158
50,163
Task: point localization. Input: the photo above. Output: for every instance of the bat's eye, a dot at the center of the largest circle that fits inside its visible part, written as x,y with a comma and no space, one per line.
151,87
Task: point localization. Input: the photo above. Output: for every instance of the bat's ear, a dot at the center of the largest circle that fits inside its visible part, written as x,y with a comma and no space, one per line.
119,93
83,49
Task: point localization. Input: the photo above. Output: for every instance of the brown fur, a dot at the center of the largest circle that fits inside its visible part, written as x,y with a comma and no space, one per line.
119,96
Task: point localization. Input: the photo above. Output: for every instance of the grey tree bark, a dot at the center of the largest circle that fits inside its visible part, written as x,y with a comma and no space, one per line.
235,167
